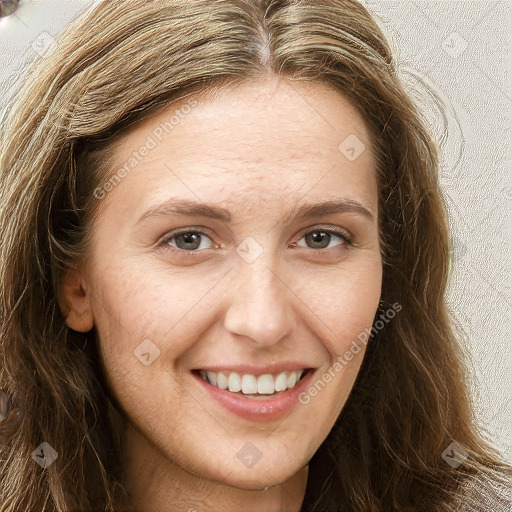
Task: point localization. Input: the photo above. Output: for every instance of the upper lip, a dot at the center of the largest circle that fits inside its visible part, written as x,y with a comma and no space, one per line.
272,368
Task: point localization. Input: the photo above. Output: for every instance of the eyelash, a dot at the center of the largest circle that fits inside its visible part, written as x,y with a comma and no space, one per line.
164,242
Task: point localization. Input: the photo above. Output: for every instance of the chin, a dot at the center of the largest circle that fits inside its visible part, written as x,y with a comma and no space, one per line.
274,471
259,479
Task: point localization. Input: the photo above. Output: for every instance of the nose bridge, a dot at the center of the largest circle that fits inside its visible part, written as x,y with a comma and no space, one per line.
260,305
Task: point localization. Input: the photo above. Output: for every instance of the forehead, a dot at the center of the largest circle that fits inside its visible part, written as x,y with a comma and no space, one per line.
271,137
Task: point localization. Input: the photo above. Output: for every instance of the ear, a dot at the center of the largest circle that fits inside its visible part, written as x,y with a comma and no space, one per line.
74,302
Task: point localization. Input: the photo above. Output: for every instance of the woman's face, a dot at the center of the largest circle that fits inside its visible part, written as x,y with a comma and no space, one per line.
202,262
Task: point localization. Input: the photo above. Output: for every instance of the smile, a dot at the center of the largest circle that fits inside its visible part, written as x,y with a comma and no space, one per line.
262,398
248,384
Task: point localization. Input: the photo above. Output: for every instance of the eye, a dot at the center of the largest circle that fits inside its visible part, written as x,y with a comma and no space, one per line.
189,241
320,238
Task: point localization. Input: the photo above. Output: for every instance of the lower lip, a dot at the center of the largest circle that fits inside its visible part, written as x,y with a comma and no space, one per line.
258,409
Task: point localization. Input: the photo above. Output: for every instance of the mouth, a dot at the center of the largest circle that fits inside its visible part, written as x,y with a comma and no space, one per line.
263,387
257,397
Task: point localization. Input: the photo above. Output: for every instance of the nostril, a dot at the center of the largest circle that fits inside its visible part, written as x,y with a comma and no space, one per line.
8,7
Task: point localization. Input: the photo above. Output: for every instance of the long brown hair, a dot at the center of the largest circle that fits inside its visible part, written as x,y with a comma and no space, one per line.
120,62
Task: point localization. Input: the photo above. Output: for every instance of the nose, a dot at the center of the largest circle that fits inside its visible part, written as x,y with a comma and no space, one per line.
261,303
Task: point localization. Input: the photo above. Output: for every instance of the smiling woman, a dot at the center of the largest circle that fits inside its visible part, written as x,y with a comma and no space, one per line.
223,264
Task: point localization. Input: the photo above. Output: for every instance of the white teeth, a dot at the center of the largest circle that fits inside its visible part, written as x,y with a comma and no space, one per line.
212,378
234,382
280,384
265,384
248,384
292,380
222,381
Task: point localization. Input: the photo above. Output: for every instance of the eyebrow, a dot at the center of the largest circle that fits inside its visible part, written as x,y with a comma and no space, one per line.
177,206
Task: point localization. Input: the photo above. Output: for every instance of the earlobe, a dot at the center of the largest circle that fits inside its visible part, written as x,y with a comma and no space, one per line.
74,302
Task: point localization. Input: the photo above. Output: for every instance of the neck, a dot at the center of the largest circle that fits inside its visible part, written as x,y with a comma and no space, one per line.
157,484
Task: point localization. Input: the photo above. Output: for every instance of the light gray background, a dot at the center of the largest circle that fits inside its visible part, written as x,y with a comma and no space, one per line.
455,57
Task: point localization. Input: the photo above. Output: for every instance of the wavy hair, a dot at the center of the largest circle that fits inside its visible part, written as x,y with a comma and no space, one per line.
120,62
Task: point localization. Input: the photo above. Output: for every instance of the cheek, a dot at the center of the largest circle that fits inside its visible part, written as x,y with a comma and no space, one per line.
344,301
136,304
345,304
141,320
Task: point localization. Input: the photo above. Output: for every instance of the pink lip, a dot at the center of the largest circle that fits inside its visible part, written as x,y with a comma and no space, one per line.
258,410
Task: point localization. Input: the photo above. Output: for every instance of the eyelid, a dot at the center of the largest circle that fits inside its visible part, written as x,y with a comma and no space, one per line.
180,231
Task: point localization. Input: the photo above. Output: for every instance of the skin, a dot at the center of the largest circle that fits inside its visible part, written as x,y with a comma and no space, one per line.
258,150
